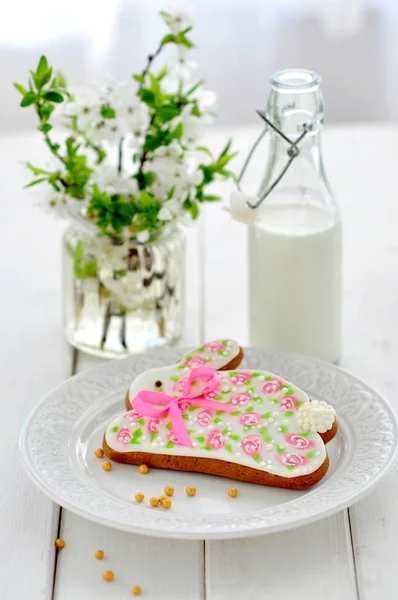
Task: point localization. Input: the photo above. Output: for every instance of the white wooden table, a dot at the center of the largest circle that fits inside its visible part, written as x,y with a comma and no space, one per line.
349,556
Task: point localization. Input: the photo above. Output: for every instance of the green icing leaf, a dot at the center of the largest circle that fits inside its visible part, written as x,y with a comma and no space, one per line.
256,457
137,434
232,373
200,439
219,412
134,441
274,400
191,431
267,415
256,374
305,434
279,449
168,425
225,431
224,342
170,444
191,408
185,417
310,454
201,349
236,413
174,378
152,436
249,409
228,448
141,421
284,429
115,429
220,352
180,367
299,403
268,378
217,397
234,437
217,420
290,467
206,448
289,413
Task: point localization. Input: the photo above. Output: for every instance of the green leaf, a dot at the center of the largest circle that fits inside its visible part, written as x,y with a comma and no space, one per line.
300,403
139,78
290,467
279,449
32,183
284,429
137,434
45,127
107,111
194,87
305,434
162,73
167,113
256,457
217,420
46,77
167,39
28,99
310,454
53,96
152,436
225,431
134,441
200,439
205,150
170,444
168,425
267,415
236,413
234,437
177,133
20,88
249,409
36,170
228,447
256,374
59,80
289,413
141,422
288,391
211,198
154,84
42,67
208,448
174,378
115,429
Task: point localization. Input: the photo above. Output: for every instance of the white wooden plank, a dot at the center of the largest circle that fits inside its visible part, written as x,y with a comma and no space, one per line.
34,359
226,315
164,569
295,564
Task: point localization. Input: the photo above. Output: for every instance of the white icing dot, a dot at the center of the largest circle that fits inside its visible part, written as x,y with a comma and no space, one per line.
279,428
269,446
225,388
261,378
210,427
269,461
144,438
195,444
233,388
285,422
161,444
271,467
271,420
288,455
282,447
200,430
154,444
229,343
225,353
229,427
266,422
158,439
275,414
317,453
262,464
238,454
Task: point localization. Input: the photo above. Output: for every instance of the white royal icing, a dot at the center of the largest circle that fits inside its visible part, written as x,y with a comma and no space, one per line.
316,415
262,433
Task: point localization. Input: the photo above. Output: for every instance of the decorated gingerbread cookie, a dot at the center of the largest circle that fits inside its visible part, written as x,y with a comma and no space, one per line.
247,425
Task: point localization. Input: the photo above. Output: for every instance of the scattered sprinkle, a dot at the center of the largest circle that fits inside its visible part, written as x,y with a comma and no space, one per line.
169,490
107,466
108,575
153,501
99,555
166,502
139,497
232,492
59,544
99,453
191,490
136,590
143,469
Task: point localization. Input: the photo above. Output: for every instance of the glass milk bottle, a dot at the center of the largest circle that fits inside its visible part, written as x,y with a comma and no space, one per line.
295,243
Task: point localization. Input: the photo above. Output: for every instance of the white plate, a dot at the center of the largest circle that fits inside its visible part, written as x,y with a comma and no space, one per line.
59,437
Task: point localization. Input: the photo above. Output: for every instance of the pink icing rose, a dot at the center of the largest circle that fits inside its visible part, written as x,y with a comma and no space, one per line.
272,386
252,444
214,347
132,416
289,403
298,441
240,378
216,440
240,398
153,425
195,362
184,405
204,418
124,435
292,459
171,436
178,386
250,419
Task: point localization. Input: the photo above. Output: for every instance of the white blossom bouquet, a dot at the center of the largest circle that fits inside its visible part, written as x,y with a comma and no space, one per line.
132,162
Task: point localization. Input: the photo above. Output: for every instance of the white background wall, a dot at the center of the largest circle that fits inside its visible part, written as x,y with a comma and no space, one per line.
353,44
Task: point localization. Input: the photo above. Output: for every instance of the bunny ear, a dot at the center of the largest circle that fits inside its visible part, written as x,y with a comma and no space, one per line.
219,354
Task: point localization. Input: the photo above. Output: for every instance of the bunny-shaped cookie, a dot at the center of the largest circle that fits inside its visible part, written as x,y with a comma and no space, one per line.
243,424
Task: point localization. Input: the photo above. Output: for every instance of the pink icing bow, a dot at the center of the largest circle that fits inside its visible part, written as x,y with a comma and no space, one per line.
143,400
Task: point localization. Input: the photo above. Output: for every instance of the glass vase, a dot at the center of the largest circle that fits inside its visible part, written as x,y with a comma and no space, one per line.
120,296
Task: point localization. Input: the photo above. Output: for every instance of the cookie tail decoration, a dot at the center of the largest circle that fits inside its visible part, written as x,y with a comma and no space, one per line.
243,424
146,402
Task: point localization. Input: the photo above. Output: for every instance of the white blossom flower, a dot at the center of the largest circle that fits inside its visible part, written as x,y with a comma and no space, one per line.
207,104
142,236
187,185
192,129
180,18
110,181
171,209
180,65
173,151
